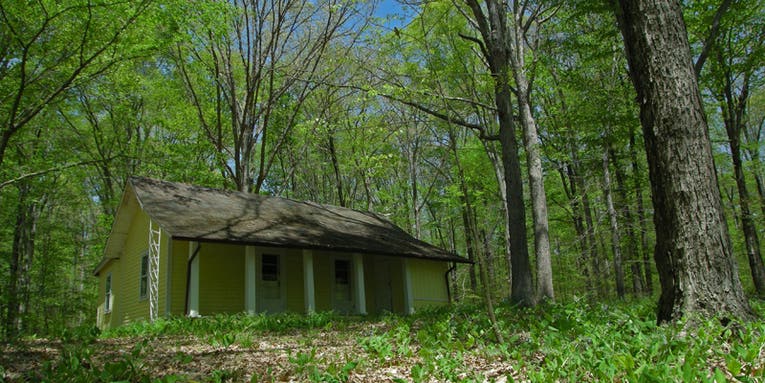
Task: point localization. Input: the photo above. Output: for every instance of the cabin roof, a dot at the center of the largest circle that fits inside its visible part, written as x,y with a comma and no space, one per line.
211,215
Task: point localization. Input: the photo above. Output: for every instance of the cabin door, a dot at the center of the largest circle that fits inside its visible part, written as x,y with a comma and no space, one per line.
270,283
342,289
383,285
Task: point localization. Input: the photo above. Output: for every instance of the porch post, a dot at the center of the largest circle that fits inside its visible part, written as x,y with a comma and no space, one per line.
194,280
361,299
408,296
249,281
308,284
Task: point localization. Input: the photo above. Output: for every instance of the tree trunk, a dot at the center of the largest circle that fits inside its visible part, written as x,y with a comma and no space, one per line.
493,28
336,169
633,253
533,161
20,250
500,175
466,209
733,112
567,174
697,271
537,185
615,237
647,266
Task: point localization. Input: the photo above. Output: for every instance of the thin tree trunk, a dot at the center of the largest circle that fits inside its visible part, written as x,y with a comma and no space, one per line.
636,174
500,175
567,174
592,243
19,252
615,236
336,169
487,296
466,209
697,270
633,253
733,112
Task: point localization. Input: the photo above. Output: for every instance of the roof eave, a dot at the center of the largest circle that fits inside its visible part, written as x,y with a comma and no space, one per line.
444,257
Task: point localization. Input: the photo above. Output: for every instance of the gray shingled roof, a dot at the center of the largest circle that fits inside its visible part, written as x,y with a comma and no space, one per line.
204,214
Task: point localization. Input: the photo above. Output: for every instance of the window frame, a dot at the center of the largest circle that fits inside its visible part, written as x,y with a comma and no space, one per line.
274,274
108,293
143,276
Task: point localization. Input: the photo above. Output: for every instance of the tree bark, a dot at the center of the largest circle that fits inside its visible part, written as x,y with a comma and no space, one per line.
633,252
21,250
733,108
336,168
467,215
615,237
636,174
697,270
496,49
533,160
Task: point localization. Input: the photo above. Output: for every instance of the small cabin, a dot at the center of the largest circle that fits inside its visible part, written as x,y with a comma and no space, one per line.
177,249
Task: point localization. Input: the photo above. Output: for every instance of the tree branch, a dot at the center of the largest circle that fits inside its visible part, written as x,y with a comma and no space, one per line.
710,40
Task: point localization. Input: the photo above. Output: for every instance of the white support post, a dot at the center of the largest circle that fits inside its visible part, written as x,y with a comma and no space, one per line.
194,280
408,296
361,298
308,284
155,240
250,291
168,274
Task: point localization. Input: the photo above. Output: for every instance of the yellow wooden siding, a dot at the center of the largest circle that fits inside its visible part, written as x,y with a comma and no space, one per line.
163,265
293,277
180,263
369,290
428,283
397,286
221,278
104,319
126,284
322,270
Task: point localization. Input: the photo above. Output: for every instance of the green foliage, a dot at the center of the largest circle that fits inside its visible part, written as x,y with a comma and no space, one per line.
225,329
574,341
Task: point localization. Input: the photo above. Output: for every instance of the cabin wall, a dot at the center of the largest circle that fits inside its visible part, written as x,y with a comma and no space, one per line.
180,257
322,274
132,307
293,277
221,278
104,319
428,283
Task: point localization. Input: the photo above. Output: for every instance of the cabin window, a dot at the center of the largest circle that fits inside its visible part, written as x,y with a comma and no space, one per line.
270,267
108,293
342,272
144,281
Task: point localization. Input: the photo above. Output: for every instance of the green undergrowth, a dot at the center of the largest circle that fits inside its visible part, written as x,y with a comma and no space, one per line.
231,323
575,341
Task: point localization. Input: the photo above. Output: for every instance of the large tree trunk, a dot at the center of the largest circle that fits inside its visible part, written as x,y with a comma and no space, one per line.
533,159
537,192
697,271
492,25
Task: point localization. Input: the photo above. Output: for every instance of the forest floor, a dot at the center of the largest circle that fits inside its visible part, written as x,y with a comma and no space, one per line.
561,342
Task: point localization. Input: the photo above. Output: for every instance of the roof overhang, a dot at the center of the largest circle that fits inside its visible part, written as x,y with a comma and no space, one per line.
115,243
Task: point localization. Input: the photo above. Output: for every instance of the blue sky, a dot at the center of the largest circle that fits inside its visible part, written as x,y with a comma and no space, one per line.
399,14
